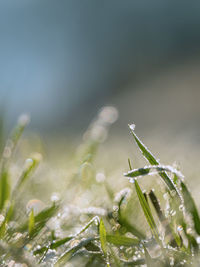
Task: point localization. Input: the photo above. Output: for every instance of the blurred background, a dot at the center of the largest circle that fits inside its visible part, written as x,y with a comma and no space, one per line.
61,61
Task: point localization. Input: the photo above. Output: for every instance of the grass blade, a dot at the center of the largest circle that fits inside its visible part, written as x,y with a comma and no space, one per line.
4,188
31,223
54,244
147,212
30,165
191,207
102,233
174,241
40,219
153,161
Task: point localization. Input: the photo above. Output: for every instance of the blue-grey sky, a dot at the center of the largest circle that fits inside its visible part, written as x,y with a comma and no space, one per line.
57,56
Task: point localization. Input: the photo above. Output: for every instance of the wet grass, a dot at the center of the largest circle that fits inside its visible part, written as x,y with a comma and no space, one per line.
93,219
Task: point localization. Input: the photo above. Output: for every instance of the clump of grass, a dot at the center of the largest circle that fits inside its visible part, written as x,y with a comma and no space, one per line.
103,235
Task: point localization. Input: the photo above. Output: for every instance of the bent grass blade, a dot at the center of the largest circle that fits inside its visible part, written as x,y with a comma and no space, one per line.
147,213
153,161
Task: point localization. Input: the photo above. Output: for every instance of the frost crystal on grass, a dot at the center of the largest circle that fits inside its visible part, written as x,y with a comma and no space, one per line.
132,126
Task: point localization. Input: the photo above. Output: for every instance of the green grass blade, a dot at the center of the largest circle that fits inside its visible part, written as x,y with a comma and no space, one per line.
147,212
146,153
153,169
30,165
31,223
118,240
102,234
40,219
153,161
60,242
169,233
54,244
4,188
191,207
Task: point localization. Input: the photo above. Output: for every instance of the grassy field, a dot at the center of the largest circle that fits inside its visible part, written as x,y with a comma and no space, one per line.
91,210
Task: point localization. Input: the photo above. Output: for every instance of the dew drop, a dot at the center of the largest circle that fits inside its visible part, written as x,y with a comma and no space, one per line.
132,126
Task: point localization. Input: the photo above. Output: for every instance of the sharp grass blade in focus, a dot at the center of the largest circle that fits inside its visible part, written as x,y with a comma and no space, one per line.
147,212
102,234
191,207
152,160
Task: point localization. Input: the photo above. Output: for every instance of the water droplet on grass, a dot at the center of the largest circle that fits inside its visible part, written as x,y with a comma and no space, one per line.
132,126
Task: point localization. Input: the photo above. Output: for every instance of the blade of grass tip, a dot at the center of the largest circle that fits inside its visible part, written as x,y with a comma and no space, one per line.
147,213
129,164
31,224
191,207
30,166
102,234
153,161
41,218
